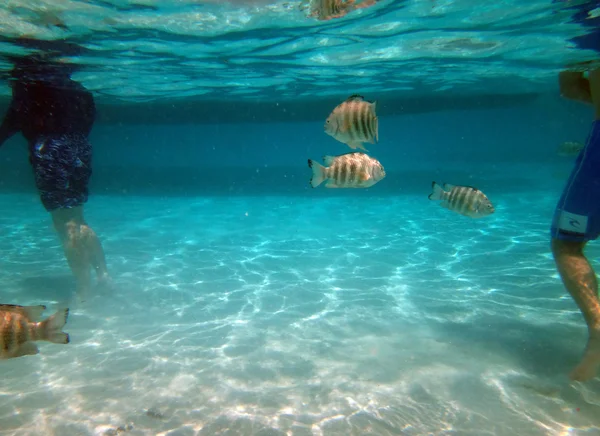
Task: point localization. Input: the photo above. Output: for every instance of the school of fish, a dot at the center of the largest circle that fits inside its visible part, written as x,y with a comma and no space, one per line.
354,122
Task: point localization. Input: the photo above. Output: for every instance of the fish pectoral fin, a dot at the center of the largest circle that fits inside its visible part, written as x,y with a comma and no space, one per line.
355,145
27,349
364,176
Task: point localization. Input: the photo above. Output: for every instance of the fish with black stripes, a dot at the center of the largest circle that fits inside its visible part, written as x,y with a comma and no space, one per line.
328,9
20,327
465,200
353,122
350,170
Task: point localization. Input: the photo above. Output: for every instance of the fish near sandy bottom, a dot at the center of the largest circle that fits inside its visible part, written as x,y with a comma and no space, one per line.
350,170
465,200
20,327
353,122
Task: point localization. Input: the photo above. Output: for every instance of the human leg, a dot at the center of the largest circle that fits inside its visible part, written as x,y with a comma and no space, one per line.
577,221
62,167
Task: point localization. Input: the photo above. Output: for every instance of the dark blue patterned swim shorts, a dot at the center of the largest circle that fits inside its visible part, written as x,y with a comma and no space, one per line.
62,165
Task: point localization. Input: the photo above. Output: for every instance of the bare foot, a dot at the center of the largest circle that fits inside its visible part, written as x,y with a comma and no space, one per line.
82,293
587,368
105,283
104,279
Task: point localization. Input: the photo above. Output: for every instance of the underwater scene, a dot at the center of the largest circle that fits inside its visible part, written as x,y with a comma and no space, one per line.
299,218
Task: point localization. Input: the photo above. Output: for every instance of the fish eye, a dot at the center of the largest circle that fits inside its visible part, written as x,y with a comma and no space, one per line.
327,121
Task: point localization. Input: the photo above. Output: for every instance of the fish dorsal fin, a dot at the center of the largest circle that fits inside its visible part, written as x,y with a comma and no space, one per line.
32,313
328,160
448,187
355,97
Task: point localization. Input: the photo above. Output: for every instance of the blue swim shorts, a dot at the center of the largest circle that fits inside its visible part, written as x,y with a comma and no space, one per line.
62,165
577,214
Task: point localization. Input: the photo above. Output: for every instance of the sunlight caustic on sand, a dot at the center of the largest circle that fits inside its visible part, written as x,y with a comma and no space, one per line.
226,320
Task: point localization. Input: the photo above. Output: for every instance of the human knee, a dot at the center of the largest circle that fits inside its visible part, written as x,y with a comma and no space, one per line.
87,233
71,235
561,247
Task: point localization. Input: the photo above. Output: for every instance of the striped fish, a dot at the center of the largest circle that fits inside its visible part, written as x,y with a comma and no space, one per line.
20,328
350,170
464,200
353,122
328,9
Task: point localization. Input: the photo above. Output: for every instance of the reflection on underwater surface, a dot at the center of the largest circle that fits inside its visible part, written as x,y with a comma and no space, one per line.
275,51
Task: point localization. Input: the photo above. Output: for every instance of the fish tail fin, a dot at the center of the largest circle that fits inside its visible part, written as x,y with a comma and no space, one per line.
318,173
51,328
437,193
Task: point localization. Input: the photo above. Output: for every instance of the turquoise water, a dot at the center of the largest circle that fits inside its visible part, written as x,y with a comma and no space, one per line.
246,303
259,49
298,315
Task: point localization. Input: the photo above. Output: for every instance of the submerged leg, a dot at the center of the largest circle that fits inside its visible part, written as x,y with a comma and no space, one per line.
82,247
62,168
577,220
580,280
